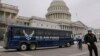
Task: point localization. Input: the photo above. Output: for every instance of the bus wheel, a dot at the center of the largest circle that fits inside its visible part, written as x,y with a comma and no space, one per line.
60,46
23,47
32,46
68,45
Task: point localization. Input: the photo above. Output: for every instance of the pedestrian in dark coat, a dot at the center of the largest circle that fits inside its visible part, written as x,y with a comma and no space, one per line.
90,39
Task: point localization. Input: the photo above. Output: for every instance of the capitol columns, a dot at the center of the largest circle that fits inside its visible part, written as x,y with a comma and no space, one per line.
9,16
4,17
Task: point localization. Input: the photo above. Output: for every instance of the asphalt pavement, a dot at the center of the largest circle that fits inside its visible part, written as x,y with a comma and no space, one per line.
52,51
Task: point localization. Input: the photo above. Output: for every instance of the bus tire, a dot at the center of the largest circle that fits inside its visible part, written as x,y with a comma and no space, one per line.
68,44
32,46
60,46
23,47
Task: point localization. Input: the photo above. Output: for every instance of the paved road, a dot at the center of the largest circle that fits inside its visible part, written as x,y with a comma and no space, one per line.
69,51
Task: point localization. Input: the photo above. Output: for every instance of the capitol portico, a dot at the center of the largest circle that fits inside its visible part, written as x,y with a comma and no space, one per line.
57,17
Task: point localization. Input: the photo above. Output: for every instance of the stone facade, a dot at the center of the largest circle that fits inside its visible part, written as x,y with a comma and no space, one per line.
8,13
57,17
97,33
42,23
22,20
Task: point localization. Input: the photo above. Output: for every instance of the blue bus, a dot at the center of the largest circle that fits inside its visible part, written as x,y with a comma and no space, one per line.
29,38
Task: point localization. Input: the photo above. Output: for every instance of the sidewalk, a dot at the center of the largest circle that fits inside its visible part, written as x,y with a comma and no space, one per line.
1,47
1,44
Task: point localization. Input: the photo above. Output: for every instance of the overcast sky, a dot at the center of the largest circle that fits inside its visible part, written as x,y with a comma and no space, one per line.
87,11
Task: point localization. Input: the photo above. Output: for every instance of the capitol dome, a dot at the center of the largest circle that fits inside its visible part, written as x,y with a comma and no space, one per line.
58,11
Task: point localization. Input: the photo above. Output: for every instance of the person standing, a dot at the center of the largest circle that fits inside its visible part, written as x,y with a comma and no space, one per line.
79,42
90,39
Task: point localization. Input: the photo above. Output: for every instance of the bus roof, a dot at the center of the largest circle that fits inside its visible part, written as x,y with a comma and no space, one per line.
35,27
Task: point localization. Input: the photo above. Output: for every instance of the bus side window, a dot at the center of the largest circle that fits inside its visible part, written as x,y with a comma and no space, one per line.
59,33
48,33
28,31
18,32
39,33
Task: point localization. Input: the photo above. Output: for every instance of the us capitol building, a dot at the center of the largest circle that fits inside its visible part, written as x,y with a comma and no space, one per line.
57,17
